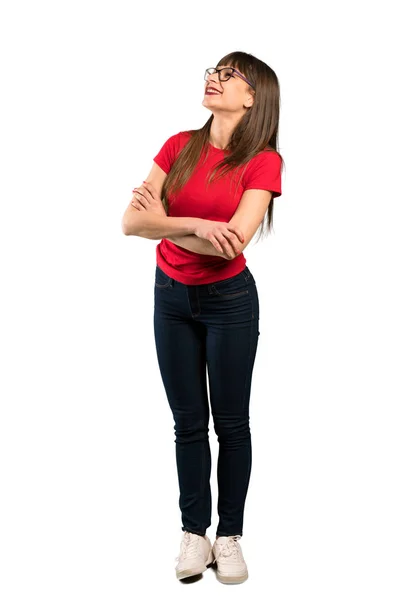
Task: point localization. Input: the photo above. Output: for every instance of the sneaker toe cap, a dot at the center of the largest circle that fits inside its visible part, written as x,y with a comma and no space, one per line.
189,563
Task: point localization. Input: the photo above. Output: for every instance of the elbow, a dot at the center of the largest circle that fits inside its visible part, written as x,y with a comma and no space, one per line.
242,245
128,227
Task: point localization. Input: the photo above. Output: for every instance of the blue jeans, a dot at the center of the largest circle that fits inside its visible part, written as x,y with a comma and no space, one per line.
213,326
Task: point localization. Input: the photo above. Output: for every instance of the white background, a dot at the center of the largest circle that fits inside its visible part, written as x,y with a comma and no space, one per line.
89,491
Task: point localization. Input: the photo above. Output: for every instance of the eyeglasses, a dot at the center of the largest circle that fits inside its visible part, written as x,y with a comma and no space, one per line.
225,74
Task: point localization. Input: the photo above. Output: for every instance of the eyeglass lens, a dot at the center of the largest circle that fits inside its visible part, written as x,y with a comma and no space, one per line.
223,74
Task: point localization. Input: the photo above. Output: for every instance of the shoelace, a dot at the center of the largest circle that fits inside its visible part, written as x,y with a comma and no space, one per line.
189,546
230,548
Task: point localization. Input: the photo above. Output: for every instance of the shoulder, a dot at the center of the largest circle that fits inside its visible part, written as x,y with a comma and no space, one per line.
266,157
179,139
263,171
174,144
170,149
266,161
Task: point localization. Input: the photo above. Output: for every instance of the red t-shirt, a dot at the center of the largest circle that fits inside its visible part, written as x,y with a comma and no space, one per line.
217,203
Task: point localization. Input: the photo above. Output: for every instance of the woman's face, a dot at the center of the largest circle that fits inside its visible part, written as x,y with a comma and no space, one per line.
234,94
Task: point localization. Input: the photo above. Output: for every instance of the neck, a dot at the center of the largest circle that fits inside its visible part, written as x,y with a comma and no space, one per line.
220,132
222,128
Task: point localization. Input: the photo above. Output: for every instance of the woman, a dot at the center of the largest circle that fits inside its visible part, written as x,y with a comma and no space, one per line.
206,310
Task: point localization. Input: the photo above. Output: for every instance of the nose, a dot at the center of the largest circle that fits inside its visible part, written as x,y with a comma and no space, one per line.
213,80
212,77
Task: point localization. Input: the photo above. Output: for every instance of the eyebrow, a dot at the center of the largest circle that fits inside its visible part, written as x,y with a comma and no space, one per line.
228,67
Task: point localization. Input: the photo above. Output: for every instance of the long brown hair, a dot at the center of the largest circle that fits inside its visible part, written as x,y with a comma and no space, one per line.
257,130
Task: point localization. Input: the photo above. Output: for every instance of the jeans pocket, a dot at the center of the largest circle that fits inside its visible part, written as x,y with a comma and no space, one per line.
162,280
231,287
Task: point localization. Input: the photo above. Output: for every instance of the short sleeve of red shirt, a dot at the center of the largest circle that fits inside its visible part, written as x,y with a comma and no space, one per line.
264,173
169,151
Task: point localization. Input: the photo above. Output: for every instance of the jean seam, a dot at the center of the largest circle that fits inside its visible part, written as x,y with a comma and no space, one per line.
203,465
162,285
248,360
232,294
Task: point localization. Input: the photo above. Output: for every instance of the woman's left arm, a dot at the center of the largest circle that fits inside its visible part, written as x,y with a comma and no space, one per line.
195,244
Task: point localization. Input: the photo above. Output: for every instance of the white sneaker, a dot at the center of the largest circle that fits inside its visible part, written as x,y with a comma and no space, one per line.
195,555
231,567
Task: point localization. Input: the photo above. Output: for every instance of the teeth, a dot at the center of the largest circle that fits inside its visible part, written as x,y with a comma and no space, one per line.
212,91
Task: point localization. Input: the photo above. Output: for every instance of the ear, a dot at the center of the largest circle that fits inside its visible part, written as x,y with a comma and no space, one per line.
249,100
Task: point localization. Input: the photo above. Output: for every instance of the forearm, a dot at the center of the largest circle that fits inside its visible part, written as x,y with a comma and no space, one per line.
195,244
155,227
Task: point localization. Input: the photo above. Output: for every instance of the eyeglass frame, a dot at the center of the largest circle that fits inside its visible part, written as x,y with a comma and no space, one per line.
221,69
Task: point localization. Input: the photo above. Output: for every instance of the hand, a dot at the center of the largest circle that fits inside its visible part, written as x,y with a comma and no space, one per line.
223,236
145,197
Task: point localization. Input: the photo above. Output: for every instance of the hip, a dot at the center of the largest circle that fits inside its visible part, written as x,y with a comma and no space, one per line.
233,299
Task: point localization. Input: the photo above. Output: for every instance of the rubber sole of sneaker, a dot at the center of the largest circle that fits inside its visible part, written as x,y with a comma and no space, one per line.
232,578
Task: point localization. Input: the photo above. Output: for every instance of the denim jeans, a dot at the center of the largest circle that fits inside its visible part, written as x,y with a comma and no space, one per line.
211,327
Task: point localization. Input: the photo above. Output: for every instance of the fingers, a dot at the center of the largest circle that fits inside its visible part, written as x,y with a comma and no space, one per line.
136,201
145,195
237,232
225,239
226,246
232,242
221,250
216,244
140,199
147,186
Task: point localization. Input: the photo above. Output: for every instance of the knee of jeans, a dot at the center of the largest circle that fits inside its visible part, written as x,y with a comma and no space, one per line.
231,429
191,429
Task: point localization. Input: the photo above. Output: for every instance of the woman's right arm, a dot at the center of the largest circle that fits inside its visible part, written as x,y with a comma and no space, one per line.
180,230
155,227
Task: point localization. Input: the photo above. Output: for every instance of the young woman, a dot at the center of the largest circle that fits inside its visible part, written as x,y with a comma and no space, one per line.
206,195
